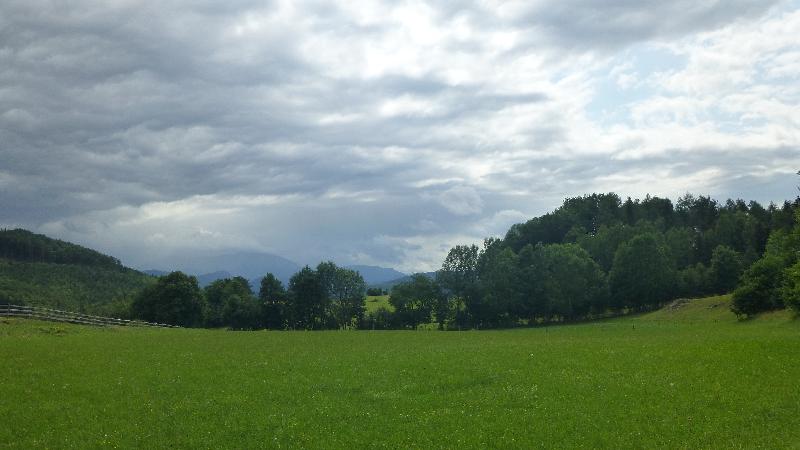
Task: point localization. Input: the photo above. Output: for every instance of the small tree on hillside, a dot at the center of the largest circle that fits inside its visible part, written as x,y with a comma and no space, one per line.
757,290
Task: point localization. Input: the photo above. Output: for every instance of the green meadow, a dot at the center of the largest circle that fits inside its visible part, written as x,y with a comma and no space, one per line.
687,376
374,302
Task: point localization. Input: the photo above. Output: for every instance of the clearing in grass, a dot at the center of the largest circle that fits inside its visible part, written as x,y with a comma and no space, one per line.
377,301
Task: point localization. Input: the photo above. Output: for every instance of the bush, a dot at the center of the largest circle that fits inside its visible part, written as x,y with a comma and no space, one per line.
758,287
790,291
380,319
174,299
241,313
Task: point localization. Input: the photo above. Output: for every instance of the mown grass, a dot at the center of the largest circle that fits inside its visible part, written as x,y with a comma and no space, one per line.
689,377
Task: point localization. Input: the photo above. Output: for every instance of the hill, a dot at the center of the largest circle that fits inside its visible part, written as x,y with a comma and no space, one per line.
38,270
23,245
715,309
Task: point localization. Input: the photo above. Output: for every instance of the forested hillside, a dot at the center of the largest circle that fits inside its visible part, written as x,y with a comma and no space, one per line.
597,254
23,245
38,270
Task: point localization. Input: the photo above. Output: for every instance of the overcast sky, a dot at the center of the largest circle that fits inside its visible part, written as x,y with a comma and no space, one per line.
380,132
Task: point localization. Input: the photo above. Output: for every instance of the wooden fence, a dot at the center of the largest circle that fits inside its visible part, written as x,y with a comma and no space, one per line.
55,315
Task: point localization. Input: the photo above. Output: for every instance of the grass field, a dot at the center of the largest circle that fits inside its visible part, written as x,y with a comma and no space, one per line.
376,301
690,376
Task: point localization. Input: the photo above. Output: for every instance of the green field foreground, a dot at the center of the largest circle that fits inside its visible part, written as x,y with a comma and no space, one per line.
684,377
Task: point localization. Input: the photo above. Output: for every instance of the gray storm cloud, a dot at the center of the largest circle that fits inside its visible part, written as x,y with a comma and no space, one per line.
373,132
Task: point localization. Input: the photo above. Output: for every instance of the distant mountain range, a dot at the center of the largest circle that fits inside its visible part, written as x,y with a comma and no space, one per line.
253,266
250,265
203,279
388,285
374,275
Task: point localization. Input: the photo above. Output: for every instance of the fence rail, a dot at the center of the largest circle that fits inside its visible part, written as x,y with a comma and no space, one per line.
55,315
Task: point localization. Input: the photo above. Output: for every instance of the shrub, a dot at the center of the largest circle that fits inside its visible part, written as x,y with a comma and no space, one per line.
758,287
173,299
790,290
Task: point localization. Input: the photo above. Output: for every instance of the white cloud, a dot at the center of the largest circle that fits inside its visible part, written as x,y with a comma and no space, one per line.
461,200
380,132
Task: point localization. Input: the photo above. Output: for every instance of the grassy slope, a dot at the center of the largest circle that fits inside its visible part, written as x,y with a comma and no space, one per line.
376,301
692,377
709,309
98,290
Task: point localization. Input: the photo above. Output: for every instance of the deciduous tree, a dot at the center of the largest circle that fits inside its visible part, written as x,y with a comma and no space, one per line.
174,299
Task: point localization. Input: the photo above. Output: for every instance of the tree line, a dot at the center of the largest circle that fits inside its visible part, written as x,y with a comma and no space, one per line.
597,255
326,297
773,281
594,256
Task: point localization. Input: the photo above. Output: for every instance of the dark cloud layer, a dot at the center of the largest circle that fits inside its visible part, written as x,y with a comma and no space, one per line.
363,132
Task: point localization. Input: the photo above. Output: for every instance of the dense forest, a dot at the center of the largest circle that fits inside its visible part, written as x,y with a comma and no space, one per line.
38,270
22,245
597,255
594,256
